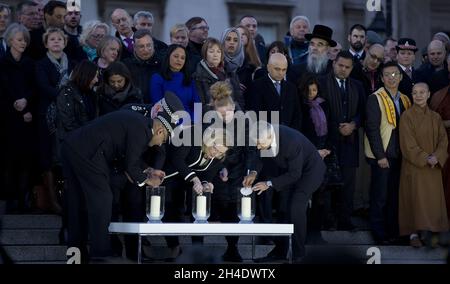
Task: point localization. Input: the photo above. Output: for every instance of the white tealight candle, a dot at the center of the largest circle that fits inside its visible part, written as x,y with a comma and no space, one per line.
246,207
155,206
201,206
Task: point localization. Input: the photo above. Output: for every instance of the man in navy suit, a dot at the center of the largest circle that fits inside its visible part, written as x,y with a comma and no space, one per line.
274,93
301,173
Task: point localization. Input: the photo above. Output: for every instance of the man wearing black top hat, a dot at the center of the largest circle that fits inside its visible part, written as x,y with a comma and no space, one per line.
406,55
317,62
87,154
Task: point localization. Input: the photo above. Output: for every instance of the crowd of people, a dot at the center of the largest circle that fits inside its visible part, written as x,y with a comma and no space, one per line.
88,117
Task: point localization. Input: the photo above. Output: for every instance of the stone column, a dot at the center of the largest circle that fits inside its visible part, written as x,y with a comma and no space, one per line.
414,20
332,15
89,11
214,12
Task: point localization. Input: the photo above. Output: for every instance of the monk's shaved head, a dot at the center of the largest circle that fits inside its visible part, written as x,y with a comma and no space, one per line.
421,85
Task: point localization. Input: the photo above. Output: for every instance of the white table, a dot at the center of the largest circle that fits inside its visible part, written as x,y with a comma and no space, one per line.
215,229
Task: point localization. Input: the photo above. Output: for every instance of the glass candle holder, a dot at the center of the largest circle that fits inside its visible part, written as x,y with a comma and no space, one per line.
246,204
201,206
155,203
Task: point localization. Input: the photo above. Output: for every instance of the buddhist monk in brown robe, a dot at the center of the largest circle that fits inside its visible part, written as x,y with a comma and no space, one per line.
423,142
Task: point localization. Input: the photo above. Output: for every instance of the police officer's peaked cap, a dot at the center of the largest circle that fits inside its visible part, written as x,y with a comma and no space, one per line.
170,105
406,44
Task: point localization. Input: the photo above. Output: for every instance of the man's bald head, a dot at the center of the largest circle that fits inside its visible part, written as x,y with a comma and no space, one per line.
277,66
122,22
277,58
436,53
436,44
374,57
120,12
376,46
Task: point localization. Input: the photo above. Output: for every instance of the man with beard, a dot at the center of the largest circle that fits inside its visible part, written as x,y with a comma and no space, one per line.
357,40
73,31
317,62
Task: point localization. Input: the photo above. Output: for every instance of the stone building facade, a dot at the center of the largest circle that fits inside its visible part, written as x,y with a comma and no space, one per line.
418,19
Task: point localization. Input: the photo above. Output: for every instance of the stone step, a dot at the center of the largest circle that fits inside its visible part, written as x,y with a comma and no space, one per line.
389,254
212,253
30,222
36,253
345,237
332,237
29,237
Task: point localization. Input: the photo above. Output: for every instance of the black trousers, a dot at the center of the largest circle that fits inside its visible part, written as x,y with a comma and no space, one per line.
175,207
88,199
384,191
224,205
133,210
294,203
118,182
345,196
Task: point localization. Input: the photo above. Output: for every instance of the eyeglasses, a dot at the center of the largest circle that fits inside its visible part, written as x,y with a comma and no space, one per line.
204,28
393,74
97,36
144,46
375,58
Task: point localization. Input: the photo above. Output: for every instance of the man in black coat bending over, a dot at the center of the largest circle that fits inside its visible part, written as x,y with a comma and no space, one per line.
302,173
87,154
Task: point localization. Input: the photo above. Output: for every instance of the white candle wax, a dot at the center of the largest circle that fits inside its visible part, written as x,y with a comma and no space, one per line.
201,206
155,206
246,207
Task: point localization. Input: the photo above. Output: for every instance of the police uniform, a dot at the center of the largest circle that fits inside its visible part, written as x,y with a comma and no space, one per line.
407,83
87,155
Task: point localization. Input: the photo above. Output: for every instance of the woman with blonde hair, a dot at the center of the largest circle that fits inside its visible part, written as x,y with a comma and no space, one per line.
109,50
237,168
191,167
179,34
51,73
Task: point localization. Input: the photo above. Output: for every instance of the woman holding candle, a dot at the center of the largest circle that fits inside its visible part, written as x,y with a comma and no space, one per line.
239,162
191,166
